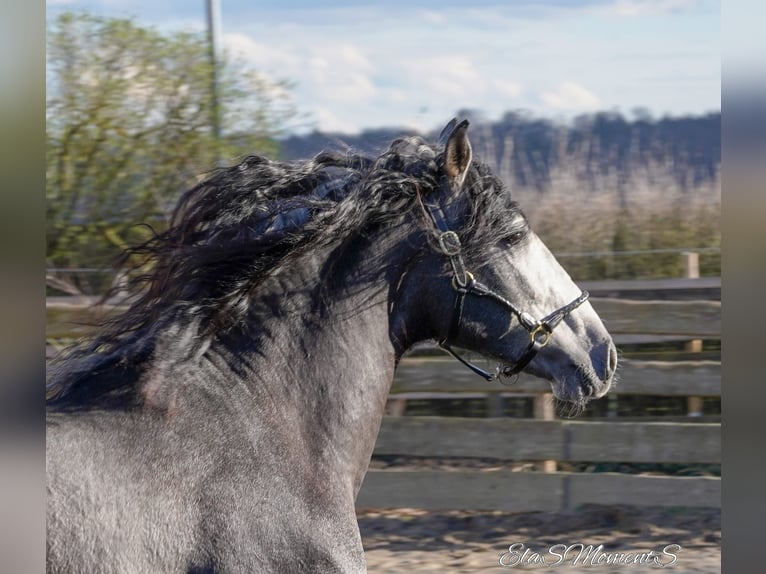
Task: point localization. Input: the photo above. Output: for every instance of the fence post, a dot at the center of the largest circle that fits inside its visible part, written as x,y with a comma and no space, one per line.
544,409
691,264
396,406
495,405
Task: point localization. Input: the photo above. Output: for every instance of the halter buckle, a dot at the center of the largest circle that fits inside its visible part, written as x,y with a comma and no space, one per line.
546,335
449,243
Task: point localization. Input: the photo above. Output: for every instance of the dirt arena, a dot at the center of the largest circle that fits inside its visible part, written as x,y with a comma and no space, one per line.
461,542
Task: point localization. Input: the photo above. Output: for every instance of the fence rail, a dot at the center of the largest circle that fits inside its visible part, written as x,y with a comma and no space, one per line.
699,288
552,441
417,374
531,491
545,439
536,440
622,317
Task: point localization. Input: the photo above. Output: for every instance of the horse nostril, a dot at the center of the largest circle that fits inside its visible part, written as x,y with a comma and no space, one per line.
604,360
611,362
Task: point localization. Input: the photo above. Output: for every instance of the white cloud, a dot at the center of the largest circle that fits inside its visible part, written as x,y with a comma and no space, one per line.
433,18
506,88
456,78
328,121
634,8
447,75
341,88
263,56
571,96
397,95
365,66
340,73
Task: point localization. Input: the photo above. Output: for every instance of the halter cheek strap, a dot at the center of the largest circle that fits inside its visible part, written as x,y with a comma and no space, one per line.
464,283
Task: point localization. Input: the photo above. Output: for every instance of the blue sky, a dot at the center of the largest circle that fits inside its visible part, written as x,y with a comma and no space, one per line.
414,63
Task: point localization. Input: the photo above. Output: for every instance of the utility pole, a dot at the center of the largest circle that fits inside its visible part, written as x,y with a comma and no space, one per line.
214,34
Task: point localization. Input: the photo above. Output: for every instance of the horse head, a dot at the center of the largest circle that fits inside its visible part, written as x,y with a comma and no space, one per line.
488,284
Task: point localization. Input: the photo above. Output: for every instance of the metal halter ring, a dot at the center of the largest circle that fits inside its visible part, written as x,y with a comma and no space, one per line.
546,335
507,380
449,242
468,280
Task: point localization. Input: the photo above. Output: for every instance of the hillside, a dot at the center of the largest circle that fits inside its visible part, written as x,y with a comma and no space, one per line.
525,151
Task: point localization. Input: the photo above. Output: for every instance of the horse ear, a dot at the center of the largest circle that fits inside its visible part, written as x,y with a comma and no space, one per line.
457,153
447,131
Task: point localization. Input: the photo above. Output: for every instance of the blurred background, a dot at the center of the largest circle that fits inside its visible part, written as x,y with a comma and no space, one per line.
606,111
604,119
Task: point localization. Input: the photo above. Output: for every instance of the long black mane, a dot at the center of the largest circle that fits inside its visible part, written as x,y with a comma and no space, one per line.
248,223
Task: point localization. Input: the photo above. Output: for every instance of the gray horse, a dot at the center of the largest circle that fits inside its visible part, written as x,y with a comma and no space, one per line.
225,421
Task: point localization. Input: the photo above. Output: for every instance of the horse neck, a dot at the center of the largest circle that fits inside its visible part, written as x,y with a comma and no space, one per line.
322,356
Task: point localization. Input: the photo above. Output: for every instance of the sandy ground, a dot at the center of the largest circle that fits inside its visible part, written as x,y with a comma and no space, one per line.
461,542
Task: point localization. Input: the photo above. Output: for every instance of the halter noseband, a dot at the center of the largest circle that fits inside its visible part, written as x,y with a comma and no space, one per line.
464,283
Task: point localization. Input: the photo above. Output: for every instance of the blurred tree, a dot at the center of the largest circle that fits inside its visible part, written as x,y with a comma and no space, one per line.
128,129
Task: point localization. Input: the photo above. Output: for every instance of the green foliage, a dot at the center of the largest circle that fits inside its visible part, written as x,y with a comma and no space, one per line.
128,129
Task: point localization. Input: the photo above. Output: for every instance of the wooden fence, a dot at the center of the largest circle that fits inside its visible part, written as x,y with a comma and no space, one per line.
545,439
549,441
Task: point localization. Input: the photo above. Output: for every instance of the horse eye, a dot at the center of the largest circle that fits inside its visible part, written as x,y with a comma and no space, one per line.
516,237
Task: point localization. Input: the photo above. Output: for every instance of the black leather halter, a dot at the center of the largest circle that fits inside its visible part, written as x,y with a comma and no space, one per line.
464,283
